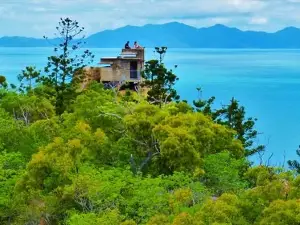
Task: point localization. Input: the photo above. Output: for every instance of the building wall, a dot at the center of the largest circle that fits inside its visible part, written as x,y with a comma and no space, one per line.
118,71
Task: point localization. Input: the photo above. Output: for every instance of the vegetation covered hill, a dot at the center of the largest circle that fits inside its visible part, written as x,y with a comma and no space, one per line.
96,157
177,35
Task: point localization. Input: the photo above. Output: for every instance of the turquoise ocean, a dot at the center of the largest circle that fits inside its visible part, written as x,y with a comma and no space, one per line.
266,82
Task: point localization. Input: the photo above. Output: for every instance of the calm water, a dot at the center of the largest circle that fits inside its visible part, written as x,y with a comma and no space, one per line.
266,82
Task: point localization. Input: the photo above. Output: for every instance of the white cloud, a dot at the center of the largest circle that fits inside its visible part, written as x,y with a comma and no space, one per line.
248,5
258,20
39,17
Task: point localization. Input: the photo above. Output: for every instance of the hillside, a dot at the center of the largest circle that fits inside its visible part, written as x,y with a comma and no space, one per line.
178,35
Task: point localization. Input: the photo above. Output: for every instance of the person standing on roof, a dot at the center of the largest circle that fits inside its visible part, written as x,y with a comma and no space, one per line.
127,45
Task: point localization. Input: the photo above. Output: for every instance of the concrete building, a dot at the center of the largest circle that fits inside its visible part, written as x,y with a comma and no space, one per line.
125,68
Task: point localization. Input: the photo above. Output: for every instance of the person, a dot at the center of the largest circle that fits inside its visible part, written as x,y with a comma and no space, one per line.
136,45
127,45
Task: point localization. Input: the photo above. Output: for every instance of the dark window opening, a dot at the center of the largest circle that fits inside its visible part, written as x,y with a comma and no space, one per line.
133,70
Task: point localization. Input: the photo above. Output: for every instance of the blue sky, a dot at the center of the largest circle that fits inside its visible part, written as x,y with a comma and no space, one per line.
36,18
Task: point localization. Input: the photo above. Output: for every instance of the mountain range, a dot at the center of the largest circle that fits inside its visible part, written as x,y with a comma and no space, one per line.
178,35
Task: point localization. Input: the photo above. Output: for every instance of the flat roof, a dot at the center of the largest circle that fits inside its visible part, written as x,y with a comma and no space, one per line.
119,58
126,54
109,57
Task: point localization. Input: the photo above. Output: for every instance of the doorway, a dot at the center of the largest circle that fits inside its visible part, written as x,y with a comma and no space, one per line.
133,70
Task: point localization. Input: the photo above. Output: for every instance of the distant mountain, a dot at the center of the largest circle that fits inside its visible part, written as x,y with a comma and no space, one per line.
178,35
22,42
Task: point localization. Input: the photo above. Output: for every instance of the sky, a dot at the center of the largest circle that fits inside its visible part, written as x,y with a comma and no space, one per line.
35,18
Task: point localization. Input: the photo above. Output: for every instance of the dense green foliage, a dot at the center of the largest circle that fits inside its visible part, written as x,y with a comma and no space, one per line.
233,116
159,80
110,160
114,159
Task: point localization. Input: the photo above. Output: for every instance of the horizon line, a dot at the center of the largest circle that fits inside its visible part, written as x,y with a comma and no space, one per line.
161,24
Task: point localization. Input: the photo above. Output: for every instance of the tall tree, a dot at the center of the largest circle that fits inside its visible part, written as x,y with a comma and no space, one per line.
161,51
159,80
65,70
28,77
294,164
234,116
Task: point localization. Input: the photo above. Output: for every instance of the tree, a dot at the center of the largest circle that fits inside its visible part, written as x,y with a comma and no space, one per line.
27,108
281,213
12,166
2,79
12,133
176,142
294,164
223,173
204,106
224,210
161,51
160,80
3,82
184,219
65,70
234,116
159,220
30,75
109,217
267,185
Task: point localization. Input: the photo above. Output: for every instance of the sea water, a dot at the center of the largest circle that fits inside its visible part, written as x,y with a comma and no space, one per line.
266,83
